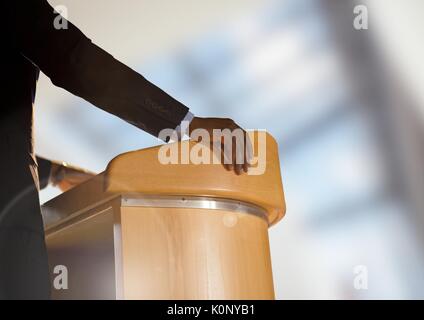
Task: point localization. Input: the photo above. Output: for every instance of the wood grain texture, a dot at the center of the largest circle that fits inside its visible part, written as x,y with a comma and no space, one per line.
141,172
166,253
194,254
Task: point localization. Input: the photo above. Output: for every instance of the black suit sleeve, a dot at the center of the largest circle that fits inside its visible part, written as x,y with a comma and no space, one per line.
44,170
74,63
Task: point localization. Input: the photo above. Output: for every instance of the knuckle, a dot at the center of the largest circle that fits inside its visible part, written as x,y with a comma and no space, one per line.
230,122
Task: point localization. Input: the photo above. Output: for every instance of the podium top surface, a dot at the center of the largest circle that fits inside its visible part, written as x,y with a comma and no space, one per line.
176,169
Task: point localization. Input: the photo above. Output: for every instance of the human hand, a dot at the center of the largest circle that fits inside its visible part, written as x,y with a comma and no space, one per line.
238,156
66,177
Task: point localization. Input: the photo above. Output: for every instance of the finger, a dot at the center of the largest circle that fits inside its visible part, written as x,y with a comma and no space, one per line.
233,155
245,157
226,160
240,158
241,163
234,150
217,152
245,166
226,155
249,151
239,169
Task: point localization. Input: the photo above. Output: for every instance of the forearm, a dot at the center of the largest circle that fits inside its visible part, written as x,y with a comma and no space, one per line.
96,76
74,63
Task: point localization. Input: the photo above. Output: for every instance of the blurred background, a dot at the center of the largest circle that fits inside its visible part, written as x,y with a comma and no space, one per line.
346,107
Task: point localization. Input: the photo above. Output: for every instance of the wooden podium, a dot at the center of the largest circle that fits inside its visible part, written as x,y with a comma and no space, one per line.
145,230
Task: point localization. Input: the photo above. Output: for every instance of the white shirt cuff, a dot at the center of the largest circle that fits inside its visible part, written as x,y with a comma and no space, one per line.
182,128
